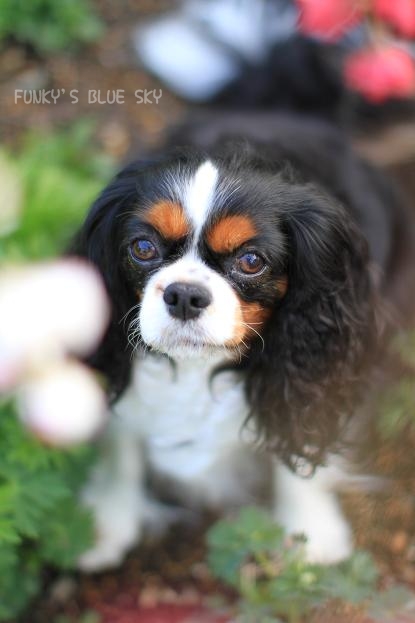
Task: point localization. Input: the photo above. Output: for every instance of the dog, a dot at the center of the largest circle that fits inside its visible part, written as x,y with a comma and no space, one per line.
254,267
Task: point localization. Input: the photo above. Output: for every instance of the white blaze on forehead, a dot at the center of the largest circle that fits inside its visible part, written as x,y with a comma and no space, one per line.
199,195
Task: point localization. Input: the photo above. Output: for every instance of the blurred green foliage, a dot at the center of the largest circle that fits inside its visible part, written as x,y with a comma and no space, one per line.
396,404
41,521
60,175
276,583
49,25
397,409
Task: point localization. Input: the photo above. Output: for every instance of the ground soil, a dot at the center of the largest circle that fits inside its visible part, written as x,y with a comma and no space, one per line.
167,580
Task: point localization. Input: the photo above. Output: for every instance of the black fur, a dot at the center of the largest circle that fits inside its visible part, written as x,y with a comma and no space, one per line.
325,219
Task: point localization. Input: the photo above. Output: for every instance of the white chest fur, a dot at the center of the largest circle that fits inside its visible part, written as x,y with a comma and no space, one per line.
192,431
188,422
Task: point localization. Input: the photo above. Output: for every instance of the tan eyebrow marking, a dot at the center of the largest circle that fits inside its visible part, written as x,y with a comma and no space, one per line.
230,233
169,219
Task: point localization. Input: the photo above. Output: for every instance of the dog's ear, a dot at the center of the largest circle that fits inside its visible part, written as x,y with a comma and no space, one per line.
98,241
302,384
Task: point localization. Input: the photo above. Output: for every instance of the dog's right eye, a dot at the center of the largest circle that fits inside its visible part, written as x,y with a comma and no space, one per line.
143,250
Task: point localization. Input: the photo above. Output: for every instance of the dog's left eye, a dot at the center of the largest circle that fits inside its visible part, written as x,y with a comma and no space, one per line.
143,250
250,263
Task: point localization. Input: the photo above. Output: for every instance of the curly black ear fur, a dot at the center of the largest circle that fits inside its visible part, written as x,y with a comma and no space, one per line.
98,241
303,384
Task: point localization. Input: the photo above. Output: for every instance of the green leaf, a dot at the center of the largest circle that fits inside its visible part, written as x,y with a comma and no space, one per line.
272,574
66,535
49,25
19,581
230,542
397,409
353,580
35,496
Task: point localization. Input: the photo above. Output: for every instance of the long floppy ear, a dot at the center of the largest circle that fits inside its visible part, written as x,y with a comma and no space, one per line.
98,241
302,385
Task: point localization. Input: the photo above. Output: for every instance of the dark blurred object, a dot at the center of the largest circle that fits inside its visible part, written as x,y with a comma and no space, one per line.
298,74
254,54
206,44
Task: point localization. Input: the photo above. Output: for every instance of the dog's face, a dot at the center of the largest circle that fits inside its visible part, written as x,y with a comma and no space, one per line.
205,262
237,253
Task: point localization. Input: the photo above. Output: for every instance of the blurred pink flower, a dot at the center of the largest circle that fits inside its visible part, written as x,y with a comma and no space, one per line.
47,311
399,13
328,19
48,314
379,74
63,404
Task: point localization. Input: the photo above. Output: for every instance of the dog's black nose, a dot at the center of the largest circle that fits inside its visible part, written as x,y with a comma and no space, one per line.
186,300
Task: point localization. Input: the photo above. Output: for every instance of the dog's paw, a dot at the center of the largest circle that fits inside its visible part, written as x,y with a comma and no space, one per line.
118,518
328,543
105,555
114,539
329,539
310,507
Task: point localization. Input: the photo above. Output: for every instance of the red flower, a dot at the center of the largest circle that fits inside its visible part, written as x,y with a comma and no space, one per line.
399,13
380,74
328,19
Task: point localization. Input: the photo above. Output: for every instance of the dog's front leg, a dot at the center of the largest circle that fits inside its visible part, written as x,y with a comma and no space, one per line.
309,506
116,498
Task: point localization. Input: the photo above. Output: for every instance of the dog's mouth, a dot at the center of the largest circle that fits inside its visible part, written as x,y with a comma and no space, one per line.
186,348
181,346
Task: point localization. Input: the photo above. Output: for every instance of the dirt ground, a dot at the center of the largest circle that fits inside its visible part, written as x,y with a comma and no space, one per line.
171,574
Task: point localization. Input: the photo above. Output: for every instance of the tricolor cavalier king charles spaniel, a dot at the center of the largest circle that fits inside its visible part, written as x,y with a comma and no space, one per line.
249,271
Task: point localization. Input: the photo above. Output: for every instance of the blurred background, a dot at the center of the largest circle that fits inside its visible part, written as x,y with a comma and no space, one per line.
87,85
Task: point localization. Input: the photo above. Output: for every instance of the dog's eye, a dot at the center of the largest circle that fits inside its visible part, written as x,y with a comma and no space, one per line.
143,250
250,263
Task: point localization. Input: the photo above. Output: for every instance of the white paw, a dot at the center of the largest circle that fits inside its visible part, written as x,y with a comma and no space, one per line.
308,506
118,525
328,544
105,555
329,537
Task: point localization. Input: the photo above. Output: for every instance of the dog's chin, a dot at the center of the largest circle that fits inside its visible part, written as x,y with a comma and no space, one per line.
188,349
185,341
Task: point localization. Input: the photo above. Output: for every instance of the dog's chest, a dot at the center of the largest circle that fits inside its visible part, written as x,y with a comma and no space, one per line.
188,422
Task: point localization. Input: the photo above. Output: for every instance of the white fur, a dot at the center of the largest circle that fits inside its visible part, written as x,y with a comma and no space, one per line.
117,500
211,330
188,427
309,506
199,194
190,65
193,433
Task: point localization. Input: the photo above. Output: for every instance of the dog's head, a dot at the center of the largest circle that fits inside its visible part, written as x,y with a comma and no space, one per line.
232,252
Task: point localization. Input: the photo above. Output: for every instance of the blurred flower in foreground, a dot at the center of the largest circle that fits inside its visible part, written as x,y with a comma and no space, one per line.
328,19
382,67
399,13
10,196
379,74
49,313
62,404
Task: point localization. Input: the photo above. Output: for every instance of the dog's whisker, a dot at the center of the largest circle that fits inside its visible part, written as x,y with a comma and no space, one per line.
248,326
130,311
